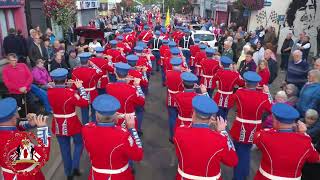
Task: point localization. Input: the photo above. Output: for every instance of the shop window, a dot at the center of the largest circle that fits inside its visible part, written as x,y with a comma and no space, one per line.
10,19
3,25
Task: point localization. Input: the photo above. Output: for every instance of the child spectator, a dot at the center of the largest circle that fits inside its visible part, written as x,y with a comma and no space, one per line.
264,72
280,97
292,92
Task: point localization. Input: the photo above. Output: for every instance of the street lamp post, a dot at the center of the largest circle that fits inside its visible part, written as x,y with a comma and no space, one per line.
163,6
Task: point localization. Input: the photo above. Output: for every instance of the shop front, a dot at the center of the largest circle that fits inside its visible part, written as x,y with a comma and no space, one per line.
12,15
86,10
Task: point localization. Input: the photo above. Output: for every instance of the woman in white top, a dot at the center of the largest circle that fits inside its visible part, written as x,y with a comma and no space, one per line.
94,44
259,53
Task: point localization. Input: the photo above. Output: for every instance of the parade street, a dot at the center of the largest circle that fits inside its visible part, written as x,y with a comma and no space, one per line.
159,161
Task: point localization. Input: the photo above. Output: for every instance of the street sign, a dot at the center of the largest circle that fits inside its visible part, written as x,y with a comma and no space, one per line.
281,19
267,2
222,5
11,3
87,4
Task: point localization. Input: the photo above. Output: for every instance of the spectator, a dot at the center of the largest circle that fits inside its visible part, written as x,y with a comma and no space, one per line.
56,46
74,60
58,62
82,44
92,24
240,43
310,171
50,35
49,52
299,41
258,55
316,64
36,51
18,78
297,70
246,48
23,41
272,64
227,49
248,64
30,39
310,93
305,47
271,47
12,44
253,38
280,97
94,44
311,119
270,36
264,72
40,75
38,30
285,52
292,93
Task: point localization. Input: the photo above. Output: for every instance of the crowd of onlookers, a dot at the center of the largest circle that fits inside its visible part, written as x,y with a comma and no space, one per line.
250,51
256,51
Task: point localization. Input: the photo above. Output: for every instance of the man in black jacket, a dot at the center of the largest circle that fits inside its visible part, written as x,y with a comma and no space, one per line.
272,65
286,51
37,51
12,44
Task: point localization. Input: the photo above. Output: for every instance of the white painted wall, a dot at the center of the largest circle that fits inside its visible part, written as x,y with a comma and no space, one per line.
281,7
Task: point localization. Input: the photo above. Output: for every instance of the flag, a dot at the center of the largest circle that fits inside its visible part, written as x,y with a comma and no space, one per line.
167,23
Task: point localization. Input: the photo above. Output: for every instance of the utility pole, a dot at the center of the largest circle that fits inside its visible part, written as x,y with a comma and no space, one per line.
163,6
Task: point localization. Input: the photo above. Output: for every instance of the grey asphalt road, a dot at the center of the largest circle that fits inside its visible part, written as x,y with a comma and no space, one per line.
159,161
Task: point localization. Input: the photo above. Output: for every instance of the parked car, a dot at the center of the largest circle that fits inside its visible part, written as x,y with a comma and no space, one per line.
196,27
205,37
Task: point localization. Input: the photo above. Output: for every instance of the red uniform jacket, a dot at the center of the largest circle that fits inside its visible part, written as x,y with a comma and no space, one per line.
128,97
145,36
174,85
116,148
63,101
283,154
164,36
164,52
105,67
137,74
197,61
194,49
227,80
125,46
184,106
209,67
143,61
177,36
89,77
250,106
9,133
129,38
116,56
200,152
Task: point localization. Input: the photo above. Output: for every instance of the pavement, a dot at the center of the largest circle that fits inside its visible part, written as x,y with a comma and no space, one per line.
159,161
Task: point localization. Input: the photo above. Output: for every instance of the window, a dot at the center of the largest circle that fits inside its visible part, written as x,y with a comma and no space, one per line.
10,19
3,25
204,37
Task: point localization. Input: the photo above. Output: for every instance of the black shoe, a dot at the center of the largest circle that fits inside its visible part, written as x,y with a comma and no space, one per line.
171,141
140,134
76,172
69,177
